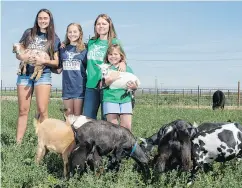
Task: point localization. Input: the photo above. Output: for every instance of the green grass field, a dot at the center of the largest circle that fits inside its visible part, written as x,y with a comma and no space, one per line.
19,169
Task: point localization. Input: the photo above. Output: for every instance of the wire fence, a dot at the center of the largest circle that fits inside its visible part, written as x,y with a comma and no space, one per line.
186,97
200,97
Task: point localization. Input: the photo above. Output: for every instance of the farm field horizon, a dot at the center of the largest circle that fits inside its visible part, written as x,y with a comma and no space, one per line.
19,168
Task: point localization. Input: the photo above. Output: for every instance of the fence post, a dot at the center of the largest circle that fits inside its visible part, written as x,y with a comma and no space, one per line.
210,96
157,94
198,96
56,92
228,94
238,93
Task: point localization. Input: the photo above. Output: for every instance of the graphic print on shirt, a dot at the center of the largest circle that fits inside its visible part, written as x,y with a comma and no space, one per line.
97,52
38,44
71,63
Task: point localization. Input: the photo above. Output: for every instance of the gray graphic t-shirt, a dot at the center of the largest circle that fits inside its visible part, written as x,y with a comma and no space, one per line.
40,43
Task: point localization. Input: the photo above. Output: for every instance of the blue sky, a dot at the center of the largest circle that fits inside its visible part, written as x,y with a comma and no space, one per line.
179,44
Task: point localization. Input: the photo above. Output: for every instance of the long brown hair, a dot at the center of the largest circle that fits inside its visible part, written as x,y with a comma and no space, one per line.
120,50
80,44
111,33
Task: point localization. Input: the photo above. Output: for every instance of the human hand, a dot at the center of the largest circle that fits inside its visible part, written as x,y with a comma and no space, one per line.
63,45
39,60
131,85
111,77
122,66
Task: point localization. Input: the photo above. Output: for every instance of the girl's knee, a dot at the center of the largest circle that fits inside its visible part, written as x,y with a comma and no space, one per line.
42,110
43,113
23,111
114,121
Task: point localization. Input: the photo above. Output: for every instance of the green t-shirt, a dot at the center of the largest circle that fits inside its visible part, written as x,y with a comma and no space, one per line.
96,53
115,95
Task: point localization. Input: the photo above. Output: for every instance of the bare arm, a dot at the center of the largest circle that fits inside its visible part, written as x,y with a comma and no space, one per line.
122,66
112,76
51,63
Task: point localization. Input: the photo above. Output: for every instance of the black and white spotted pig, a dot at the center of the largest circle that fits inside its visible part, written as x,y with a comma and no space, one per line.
219,144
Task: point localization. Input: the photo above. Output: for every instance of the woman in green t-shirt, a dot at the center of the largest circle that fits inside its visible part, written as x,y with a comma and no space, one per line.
117,105
105,35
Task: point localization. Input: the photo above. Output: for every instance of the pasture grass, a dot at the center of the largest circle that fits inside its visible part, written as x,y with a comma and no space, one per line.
19,169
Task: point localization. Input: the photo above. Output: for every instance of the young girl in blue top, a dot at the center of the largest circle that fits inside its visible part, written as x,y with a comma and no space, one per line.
73,66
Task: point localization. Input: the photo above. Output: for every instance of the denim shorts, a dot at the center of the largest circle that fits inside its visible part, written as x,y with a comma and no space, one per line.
117,108
25,80
67,98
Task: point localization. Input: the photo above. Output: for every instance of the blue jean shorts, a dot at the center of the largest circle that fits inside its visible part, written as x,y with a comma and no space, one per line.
25,80
117,108
73,98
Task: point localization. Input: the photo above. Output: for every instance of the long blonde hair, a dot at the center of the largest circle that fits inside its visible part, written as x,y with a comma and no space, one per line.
111,33
120,50
80,44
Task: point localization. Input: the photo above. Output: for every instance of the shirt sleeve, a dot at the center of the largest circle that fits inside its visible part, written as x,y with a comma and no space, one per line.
57,44
84,62
24,36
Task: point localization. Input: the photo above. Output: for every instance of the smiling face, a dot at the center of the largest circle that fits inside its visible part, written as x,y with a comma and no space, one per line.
102,27
43,21
114,56
73,33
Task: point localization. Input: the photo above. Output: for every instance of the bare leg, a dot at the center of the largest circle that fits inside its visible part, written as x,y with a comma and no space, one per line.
68,104
113,118
126,121
78,106
24,101
42,93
